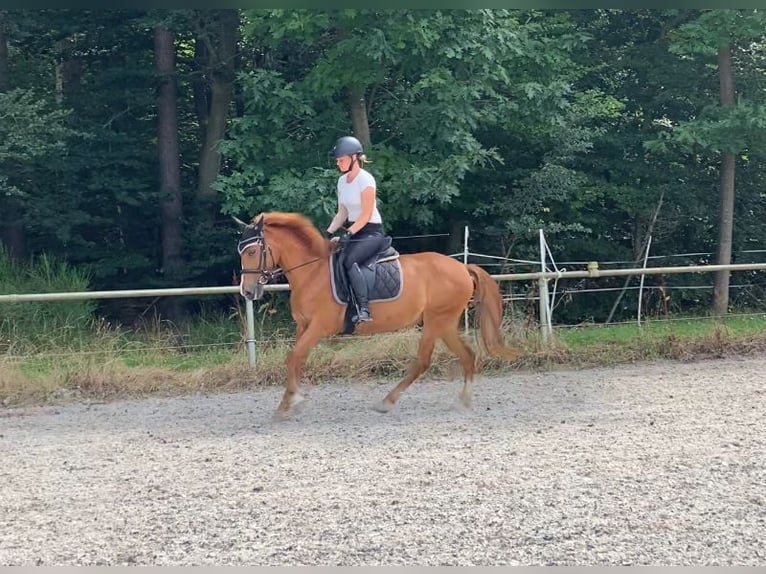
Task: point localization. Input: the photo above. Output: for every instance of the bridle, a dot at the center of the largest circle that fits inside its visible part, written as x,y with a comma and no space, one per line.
266,273
257,238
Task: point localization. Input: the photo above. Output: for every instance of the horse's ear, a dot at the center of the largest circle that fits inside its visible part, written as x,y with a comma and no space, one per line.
239,222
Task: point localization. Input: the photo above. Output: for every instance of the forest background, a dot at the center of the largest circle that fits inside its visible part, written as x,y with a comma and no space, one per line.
128,139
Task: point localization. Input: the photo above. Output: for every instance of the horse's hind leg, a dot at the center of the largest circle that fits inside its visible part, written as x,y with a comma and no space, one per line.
418,367
467,360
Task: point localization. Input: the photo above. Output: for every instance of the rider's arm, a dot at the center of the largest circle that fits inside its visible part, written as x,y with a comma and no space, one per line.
339,219
368,203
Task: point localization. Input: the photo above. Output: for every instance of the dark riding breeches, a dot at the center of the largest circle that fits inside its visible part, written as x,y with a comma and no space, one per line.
363,245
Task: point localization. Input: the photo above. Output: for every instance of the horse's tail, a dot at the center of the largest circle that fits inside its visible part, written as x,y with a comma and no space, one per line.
489,313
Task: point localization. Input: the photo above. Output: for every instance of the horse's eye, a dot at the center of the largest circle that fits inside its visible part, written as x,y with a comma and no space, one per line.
250,253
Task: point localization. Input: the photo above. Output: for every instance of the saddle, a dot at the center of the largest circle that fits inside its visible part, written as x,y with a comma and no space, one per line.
382,272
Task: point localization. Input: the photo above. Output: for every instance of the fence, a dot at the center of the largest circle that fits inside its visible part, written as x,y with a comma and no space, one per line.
119,294
542,277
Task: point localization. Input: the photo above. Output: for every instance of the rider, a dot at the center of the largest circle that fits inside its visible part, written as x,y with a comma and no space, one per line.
358,205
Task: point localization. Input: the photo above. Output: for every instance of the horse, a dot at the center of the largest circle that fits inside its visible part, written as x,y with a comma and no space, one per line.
434,290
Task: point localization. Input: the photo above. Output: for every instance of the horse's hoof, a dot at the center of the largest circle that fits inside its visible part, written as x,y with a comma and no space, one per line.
382,406
295,406
462,405
298,403
280,416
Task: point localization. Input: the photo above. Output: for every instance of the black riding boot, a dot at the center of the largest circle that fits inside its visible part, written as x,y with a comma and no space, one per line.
359,286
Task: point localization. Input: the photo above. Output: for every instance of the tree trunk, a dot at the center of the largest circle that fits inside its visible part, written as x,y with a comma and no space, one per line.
199,86
210,157
4,80
726,213
12,232
68,71
359,120
171,204
223,73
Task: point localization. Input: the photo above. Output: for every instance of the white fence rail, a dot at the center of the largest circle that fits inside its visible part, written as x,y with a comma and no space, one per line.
130,293
542,277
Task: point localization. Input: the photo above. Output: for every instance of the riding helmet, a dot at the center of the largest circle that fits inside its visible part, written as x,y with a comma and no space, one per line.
346,145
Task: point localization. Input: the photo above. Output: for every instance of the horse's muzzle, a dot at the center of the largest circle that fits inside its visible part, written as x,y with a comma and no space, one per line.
253,291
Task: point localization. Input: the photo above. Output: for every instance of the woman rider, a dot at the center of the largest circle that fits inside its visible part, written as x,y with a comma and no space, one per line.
357,204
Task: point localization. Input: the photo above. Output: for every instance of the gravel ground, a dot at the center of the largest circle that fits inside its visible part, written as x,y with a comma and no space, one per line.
646,464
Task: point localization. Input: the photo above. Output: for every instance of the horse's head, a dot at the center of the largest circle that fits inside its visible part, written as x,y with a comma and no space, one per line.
273,240
257,259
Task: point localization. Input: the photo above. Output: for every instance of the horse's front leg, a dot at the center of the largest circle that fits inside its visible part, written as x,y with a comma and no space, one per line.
307,339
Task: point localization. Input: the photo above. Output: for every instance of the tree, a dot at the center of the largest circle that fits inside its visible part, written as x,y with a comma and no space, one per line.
728,127
171,201
427,85
33,134
217,34
12,236
726,210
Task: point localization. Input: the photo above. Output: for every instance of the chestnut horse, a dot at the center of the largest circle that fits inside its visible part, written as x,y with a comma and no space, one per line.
435,291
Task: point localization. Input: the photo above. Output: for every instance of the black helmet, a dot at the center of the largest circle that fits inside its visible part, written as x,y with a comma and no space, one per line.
346,145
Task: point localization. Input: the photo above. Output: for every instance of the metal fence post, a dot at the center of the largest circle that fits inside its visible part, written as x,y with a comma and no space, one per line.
545,323
250,315
641,286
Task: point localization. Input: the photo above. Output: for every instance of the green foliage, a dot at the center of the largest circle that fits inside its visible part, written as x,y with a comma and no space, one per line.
712,29
715,128
573,121
26,325
437,84
622,179
32,133
30,127
718,129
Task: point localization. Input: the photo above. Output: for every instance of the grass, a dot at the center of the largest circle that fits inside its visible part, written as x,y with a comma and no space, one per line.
679,339
687,328
56,351
110,363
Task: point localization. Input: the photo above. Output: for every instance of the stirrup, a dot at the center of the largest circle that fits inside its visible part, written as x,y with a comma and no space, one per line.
362,316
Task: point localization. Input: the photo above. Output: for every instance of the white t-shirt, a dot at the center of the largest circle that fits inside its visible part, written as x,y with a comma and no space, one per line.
350,195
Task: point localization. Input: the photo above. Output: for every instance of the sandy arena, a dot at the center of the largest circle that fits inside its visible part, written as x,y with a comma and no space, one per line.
661,464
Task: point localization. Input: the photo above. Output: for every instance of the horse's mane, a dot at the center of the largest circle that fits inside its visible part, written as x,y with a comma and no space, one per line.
298,226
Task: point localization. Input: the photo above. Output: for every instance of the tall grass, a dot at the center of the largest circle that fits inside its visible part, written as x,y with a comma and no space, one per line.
25,326
60,351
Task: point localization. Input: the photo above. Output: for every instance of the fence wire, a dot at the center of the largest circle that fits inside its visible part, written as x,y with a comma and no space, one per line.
488,261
